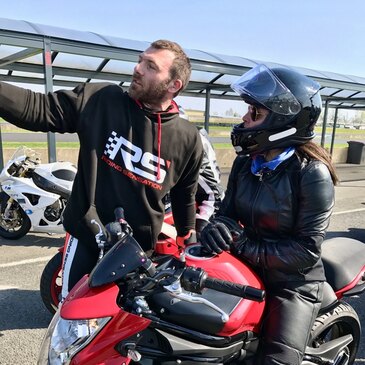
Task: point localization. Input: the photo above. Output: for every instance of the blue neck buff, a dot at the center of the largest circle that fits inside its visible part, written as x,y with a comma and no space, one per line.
259,164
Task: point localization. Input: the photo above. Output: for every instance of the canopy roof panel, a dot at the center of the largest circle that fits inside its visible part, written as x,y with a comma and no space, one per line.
79,56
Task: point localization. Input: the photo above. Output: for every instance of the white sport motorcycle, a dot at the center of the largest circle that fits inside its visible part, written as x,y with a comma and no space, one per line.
33,195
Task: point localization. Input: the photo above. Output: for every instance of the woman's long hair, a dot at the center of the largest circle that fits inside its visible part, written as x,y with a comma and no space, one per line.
314,151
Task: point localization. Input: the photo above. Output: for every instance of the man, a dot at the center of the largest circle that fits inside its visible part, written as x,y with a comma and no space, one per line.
134,148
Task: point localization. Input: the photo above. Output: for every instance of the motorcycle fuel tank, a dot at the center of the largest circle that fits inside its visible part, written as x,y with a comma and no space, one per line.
243,314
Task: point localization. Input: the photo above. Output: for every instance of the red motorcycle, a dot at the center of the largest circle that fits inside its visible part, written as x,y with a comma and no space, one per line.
170,309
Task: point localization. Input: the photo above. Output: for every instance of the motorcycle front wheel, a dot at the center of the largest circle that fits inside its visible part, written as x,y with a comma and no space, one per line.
16,223
340,321
51,283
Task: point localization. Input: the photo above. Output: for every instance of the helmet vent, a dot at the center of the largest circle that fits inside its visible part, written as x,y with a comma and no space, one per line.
283,134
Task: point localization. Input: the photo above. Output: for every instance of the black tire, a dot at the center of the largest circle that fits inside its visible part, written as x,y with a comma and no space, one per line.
340,321
51,283
20,223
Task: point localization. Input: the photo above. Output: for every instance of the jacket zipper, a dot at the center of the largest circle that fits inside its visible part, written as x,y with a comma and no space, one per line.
261,177
262,174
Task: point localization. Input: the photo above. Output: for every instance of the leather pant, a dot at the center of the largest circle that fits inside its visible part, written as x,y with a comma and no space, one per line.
291,309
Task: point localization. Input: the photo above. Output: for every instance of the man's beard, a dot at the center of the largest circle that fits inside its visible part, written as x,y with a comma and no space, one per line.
149,94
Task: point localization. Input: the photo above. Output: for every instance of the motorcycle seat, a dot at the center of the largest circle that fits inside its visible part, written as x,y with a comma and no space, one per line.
343,260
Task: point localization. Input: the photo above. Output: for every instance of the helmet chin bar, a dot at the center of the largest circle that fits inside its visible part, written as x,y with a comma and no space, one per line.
266,141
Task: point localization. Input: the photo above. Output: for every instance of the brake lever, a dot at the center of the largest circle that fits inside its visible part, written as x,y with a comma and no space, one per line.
100,238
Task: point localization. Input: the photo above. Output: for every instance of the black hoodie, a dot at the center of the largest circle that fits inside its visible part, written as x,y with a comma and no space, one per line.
128,156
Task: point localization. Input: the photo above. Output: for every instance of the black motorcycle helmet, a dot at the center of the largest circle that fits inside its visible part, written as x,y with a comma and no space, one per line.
294,105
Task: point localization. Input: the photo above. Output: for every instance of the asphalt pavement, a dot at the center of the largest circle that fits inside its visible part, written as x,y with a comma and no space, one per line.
350,172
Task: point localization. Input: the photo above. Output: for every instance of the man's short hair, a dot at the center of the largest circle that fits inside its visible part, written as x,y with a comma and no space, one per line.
181,67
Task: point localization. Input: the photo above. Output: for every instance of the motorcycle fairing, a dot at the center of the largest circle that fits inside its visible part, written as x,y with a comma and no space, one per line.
50,186
167,348
65,173
61,173
84,302
33,201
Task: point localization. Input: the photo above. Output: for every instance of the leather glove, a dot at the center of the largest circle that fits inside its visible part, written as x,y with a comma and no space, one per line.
200,224
222,233
113,234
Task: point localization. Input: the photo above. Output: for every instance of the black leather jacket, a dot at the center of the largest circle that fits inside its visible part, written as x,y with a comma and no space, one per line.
285,213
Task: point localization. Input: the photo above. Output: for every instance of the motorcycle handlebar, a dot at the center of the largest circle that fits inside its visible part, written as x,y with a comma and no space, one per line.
196,279
120,218
119,214
243,291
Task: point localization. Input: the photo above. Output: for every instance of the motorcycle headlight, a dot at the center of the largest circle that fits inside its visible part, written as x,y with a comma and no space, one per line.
65,338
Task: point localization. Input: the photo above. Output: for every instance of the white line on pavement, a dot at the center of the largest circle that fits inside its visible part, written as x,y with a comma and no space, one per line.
26,262
349,211
6,287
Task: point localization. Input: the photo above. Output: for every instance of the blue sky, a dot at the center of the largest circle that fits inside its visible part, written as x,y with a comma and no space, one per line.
324,35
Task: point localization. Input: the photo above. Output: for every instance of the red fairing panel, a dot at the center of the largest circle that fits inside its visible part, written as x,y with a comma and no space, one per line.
86,303
102,350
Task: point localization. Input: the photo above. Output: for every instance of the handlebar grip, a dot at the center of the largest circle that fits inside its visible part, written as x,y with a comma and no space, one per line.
243,291
119,214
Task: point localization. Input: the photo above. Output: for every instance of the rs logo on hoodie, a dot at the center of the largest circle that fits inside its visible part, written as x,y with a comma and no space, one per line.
141,163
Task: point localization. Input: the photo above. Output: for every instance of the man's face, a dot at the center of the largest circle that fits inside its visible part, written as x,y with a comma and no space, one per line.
151,77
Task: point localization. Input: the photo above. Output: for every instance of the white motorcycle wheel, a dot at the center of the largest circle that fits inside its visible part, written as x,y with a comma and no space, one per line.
341,320
17,224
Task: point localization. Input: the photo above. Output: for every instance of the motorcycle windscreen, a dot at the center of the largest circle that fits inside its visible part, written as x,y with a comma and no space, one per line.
124,257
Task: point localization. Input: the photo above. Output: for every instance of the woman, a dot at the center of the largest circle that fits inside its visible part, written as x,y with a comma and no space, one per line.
281,189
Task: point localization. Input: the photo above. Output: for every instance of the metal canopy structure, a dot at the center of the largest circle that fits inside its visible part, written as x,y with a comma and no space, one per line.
62,58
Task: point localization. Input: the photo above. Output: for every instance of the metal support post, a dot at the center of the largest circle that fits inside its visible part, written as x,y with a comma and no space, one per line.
207,110
324,125
1,152
333,132
47,63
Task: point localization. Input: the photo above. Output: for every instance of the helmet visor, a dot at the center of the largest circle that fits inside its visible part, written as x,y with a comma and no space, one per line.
262,85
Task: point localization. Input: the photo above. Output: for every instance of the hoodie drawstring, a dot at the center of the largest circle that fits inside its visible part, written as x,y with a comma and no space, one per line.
173,109
159,128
